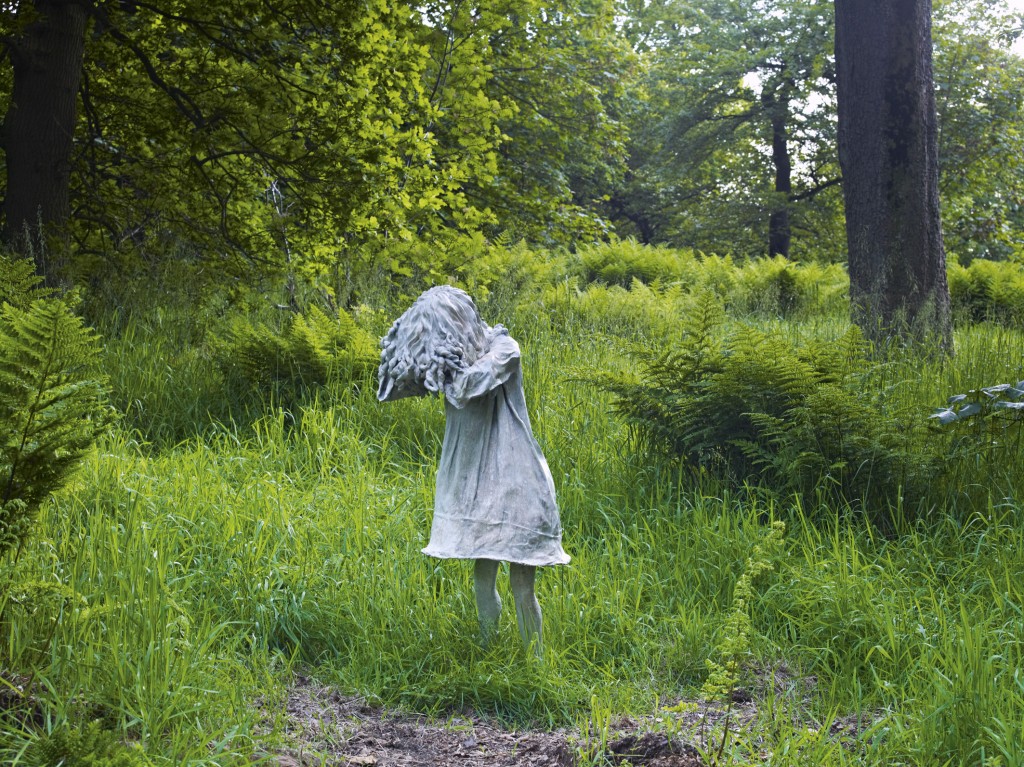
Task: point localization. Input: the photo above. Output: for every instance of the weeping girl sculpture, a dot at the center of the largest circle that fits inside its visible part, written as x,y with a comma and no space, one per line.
495,500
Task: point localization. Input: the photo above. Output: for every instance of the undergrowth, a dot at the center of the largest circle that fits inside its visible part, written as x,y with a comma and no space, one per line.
218,541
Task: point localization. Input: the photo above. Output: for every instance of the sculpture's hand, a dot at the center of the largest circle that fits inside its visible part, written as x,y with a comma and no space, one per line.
455,358
486,374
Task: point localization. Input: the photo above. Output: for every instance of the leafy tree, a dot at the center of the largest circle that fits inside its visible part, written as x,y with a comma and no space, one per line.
253,132
552,72
888,142
733,145
565,148
980,107
303,134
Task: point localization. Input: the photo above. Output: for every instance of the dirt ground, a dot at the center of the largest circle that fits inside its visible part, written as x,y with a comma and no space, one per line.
327,729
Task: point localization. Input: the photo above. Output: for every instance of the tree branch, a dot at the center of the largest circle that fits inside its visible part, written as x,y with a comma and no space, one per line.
814,190
185,104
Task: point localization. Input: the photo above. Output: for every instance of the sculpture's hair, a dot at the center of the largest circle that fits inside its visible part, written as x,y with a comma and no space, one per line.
441,333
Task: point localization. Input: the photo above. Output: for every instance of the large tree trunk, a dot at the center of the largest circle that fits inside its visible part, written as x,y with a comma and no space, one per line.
39,127
889,158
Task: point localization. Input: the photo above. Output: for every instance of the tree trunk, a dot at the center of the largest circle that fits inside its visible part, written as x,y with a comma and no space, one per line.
38,129
778,223
889,158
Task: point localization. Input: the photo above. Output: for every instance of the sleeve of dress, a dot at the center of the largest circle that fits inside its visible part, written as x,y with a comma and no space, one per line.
486,374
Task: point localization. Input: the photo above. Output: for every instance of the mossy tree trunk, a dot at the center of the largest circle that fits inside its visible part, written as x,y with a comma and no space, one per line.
889,157
46,55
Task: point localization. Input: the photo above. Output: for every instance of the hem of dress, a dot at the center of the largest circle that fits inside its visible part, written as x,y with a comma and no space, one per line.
540,562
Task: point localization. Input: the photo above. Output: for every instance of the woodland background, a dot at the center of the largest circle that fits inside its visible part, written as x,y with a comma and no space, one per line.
202,500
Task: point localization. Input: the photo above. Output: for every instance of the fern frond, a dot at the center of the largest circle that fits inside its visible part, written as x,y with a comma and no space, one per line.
52,407
19,283
313,348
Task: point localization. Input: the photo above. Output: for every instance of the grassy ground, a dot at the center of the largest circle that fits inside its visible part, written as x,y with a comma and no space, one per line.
171,592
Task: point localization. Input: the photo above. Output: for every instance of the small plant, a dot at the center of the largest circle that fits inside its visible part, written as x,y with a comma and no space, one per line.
312,349
734,644
984,427
52,408
88,746
1001,400
592,748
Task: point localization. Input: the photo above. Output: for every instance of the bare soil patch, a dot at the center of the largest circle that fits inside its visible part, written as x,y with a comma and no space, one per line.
327,729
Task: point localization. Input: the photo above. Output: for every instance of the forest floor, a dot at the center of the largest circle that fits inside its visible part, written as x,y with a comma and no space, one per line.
327,729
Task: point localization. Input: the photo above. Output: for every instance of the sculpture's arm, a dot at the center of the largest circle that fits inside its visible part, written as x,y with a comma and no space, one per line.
389,391
486,374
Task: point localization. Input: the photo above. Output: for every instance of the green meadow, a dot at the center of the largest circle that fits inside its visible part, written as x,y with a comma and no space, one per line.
230,532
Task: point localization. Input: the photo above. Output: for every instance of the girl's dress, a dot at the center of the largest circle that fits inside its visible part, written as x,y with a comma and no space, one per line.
495,498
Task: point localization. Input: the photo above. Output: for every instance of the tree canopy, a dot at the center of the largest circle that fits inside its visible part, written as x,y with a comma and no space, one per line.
304,135
260,132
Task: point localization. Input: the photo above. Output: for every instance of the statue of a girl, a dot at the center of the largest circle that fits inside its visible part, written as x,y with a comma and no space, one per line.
495,500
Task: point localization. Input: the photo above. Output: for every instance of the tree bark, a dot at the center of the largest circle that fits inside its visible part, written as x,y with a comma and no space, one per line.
889,158
779,233
39,127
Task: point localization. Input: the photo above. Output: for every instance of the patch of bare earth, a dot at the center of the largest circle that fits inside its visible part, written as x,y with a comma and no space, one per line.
326,729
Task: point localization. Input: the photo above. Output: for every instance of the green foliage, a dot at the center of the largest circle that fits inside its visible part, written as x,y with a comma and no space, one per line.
734,643
527,87
51,408
281,137
639,312
780,287
184,583
988,290
20,285
981,138
761,286
294,137
984,430
758,408
88,746
718,80
622,262
311,349
986,403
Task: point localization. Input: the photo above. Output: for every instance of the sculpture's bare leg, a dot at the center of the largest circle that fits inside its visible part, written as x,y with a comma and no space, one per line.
488,603
528,616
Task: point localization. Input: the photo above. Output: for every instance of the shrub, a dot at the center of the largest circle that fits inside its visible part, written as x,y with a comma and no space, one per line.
620,263
777,286
757,408
988,290
311,349
773,286
52,406
507,279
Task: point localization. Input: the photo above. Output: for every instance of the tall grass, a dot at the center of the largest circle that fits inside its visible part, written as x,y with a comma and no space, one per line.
196,563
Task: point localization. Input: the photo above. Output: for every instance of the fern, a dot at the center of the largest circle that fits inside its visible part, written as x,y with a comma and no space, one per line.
988,290
19,283
313,349
755,408
88,746
51,408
